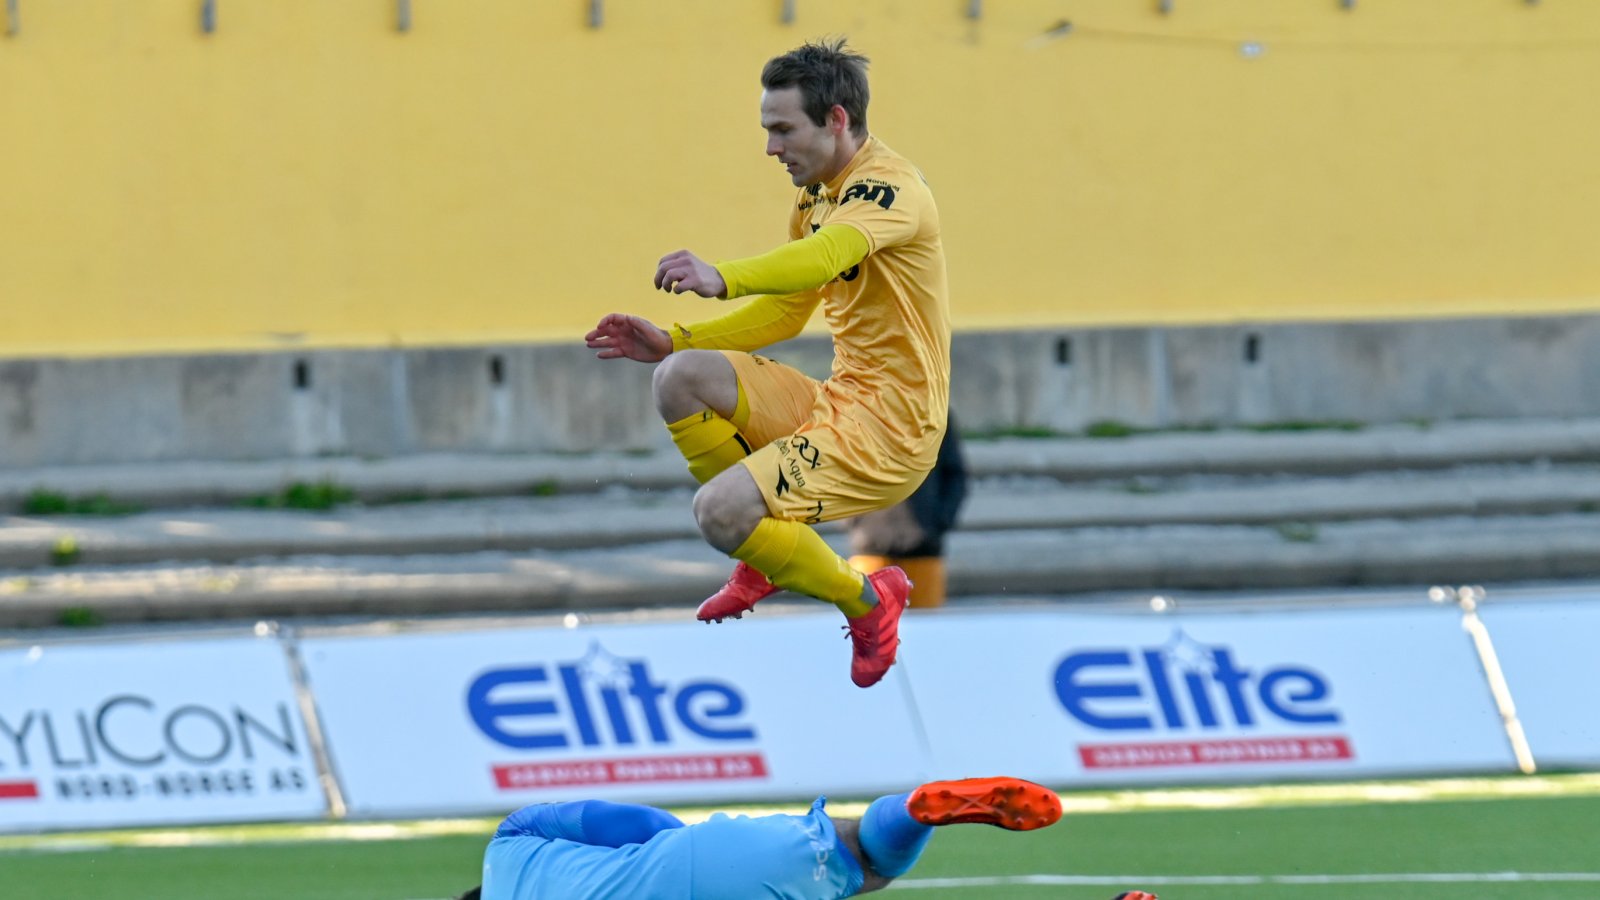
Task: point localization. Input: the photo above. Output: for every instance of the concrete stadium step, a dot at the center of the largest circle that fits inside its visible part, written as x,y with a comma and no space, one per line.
982,564
1164,454
1459,502
619,517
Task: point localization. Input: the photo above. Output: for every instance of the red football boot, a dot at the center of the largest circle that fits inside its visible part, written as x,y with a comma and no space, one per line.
875,636
745,588
1135,895
1009,803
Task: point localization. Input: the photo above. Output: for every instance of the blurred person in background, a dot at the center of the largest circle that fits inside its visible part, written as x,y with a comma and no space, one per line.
911,533
775,450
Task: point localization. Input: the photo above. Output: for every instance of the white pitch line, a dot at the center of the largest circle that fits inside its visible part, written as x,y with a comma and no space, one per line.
1171,880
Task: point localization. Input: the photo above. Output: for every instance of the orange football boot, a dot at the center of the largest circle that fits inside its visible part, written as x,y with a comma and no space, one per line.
1008,803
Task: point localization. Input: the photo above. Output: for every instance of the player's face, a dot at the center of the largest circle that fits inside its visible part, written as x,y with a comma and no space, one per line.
806,149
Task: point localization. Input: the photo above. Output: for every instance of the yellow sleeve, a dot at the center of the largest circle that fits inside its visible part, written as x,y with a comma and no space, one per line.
888,214
762,321
798,265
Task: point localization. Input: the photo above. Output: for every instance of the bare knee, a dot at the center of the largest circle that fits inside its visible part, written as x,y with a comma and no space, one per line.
728,508
690,381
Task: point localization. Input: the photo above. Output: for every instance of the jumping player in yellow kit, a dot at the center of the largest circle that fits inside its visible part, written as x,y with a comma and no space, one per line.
775,450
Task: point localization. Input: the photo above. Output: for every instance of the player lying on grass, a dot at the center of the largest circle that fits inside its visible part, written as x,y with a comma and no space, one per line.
593,849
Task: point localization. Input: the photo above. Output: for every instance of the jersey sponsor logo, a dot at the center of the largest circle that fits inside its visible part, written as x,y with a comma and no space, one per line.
1182,687
869,191
811,197
601,700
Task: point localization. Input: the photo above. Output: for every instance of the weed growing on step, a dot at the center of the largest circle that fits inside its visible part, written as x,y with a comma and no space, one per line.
79,617
320,495
50,503
1020,431
1109,428
1308,425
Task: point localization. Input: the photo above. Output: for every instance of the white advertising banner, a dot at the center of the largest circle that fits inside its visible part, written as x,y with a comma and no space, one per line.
471,722
161,732
1074,698
1547,651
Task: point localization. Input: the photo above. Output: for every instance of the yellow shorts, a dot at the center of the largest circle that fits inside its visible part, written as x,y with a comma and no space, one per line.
813,462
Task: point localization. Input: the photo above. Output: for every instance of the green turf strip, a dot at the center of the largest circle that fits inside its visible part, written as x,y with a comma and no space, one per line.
1311,841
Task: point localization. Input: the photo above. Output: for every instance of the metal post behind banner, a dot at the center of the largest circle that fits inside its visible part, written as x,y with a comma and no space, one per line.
1468,597
337,808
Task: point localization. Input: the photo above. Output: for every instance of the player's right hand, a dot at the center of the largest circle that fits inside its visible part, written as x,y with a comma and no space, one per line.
620,336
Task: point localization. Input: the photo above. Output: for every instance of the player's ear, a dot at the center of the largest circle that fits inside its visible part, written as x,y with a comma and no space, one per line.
838,119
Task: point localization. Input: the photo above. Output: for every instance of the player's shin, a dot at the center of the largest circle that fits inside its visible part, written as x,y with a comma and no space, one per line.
709,443
794,557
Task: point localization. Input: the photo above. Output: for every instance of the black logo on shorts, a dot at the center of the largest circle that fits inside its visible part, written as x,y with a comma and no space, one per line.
816,515
790,474
810,454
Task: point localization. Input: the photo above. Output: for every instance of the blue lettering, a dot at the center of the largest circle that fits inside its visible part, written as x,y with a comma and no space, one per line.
1232,681
573,682
624,713
696,721
1311,688
487,713
1203,710
1207,697
649,696
1074,695
618,716
1156,663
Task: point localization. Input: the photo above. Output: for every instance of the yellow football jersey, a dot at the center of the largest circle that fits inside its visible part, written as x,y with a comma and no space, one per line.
890,315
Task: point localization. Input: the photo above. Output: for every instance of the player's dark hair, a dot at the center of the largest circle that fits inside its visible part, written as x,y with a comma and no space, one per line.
473,894
828,75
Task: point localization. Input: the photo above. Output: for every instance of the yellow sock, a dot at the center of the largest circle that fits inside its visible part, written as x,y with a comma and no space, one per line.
709,442
796,558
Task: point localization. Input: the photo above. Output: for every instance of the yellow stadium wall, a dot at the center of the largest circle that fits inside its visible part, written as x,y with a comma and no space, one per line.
309,175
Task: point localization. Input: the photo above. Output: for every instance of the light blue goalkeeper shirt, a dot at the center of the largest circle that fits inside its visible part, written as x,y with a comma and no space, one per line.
723,858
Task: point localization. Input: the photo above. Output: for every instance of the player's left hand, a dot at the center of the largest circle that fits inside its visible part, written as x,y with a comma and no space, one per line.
682,272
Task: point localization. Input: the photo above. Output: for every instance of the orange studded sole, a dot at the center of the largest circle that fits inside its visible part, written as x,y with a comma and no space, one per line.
1009,803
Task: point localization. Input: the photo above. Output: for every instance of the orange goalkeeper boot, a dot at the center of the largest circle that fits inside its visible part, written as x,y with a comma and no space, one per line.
745,588
1008,803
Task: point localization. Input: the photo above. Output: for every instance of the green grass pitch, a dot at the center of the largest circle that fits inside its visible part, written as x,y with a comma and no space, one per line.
1506,840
